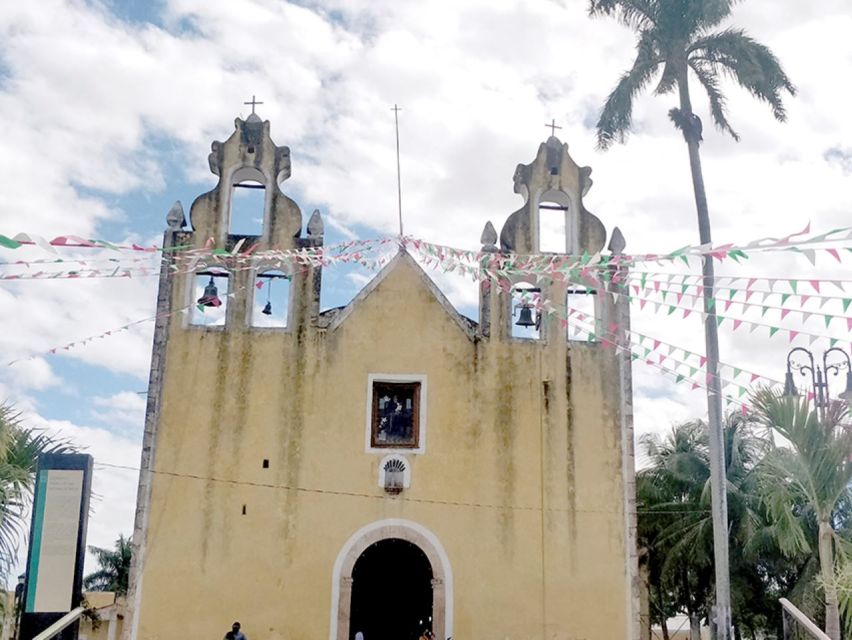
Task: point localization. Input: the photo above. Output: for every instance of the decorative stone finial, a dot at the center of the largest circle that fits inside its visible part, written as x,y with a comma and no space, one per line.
175,218
617,242
489,237
316,228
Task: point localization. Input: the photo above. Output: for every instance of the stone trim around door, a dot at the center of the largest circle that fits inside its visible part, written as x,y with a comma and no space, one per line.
442,574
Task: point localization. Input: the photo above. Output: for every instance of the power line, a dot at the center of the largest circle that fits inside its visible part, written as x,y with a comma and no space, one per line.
354,494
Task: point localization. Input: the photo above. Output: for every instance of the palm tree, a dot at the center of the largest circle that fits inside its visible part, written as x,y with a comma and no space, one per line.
20,447
114,571
669,499
815,471
675,523
676,37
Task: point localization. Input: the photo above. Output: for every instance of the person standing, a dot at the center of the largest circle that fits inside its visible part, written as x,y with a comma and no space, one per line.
235,633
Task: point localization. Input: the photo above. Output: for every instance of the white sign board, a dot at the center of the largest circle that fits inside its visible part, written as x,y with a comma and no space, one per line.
53,557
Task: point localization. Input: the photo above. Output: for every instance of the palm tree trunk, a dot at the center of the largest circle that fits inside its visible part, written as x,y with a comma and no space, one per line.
663,617
694,627
714,387
826,564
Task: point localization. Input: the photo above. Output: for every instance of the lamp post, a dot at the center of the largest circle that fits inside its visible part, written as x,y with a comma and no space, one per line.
819,376
19,603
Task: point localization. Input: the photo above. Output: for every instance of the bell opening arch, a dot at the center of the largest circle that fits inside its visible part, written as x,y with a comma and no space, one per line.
385,530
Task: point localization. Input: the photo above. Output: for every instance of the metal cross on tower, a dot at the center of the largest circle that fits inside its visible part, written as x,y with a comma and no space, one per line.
553,126
253,103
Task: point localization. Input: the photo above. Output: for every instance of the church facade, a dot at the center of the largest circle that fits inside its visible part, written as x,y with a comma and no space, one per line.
390,466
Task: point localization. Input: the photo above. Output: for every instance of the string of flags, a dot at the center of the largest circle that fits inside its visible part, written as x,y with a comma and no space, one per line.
341,256
614,275
807,246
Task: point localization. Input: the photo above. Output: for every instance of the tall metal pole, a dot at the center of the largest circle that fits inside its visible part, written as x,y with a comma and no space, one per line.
396,109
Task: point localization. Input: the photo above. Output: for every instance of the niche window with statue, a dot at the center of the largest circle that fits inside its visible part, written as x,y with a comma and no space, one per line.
396,414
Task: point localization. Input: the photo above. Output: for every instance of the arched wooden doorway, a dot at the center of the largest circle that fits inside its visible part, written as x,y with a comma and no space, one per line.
391,563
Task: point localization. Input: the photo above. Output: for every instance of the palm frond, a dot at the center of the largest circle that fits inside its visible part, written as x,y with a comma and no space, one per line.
751,64
617,115
114,571
668,79
710,81
636,14
707,13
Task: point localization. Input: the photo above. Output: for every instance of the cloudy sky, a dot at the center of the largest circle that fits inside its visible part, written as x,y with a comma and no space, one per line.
110,107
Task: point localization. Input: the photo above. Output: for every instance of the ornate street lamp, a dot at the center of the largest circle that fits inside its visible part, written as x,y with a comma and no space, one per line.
819,376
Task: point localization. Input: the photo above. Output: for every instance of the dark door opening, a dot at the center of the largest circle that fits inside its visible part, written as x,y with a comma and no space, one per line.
391,592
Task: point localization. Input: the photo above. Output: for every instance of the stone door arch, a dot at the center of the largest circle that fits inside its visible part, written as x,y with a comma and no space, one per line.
442,581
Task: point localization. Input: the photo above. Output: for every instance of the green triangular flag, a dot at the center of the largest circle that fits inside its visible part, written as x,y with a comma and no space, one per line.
794,285
732,293
832,342
785,297
828,320
846,303
772,331
8,243
200,307
692,371
679,378
672,310
719,320
737,372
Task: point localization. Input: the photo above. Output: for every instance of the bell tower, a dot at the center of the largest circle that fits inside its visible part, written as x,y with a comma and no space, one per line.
552,180
248,159
552,186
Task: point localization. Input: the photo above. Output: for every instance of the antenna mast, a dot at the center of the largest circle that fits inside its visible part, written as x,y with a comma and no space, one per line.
396,109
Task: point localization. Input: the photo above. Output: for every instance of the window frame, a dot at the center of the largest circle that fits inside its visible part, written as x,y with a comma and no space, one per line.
419,413
216,272
252,298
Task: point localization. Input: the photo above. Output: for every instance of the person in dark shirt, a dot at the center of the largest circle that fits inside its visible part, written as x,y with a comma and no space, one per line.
235,633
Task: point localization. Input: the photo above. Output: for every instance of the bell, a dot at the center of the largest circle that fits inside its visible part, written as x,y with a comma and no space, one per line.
790,390
267,310
525,317
210,298
847,393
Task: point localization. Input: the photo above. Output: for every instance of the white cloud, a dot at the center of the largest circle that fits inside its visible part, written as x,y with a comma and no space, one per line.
123,411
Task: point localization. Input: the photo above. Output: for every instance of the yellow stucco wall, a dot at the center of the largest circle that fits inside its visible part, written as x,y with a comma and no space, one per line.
521,479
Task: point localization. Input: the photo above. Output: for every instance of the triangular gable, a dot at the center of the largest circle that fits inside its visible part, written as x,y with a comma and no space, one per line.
402,256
